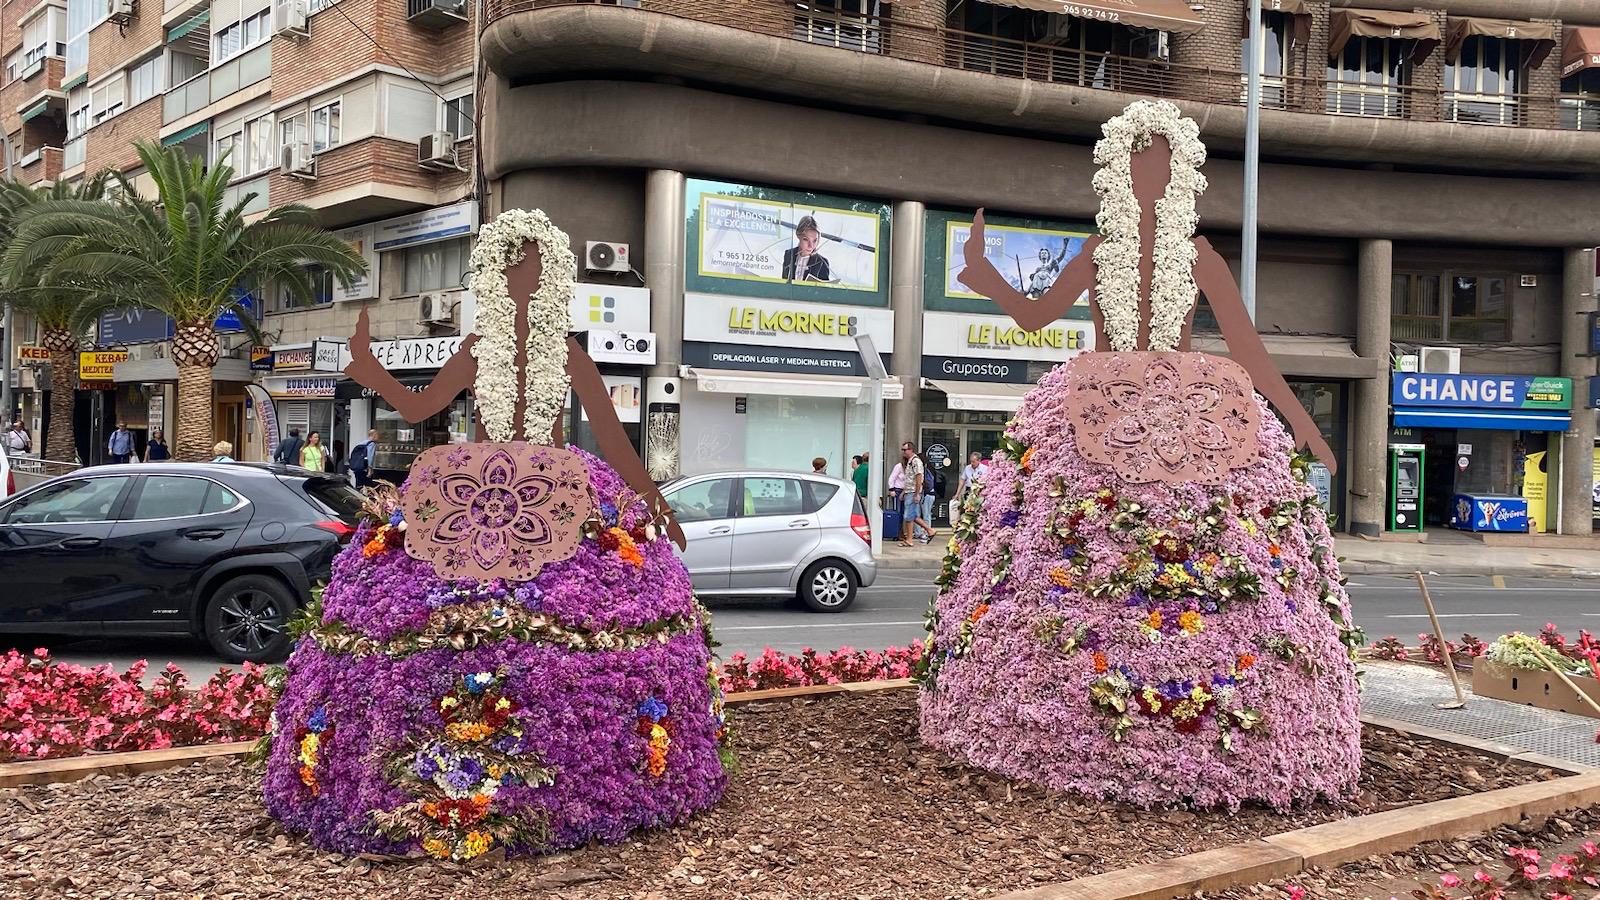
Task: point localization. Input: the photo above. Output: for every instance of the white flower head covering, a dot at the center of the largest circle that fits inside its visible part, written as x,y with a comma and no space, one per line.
1172,288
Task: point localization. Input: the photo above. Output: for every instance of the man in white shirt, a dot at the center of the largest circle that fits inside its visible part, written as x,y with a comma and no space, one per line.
17,440
972,474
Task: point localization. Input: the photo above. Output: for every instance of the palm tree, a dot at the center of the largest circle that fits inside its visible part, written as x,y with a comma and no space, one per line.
189,255
64,311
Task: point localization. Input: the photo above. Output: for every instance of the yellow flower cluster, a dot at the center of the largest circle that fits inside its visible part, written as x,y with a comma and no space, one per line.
1190,622
476,844
659,742
468,731
308,762
436,848
1061,576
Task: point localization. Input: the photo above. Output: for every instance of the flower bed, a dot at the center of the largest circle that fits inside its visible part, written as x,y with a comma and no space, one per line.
835,797
50,709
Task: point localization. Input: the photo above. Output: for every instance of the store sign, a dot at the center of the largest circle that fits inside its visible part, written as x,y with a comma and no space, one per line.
365,285
610,308
158,408
425,227
1029,258
998,337
29,354
636,349
415,353
779,237
301,388
754,359
1594,392
326,356
260,358
291,358
742,320
1010,371
97,365
134,326
1481,391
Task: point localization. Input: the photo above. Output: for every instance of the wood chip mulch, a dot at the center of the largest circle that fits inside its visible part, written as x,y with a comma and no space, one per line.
833,798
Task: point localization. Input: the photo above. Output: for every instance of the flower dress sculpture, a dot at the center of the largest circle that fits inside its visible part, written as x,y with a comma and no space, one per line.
1142,602
509,655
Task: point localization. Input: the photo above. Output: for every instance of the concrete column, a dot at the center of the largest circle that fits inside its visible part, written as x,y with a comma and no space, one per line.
1369,427
905,298
663,273
1577,460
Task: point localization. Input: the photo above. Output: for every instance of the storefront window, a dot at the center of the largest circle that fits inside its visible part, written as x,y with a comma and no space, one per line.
1327,402
399,441
1478,311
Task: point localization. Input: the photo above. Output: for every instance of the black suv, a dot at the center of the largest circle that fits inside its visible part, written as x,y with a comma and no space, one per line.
225,551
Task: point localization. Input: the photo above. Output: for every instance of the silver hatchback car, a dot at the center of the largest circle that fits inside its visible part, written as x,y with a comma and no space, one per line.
768,533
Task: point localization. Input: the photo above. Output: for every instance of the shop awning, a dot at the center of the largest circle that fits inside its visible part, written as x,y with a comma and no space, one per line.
1537,38
1383,23
730,381
1483,419
981,396
198,19
181,136
1582,50
36,111
81,78
1166,15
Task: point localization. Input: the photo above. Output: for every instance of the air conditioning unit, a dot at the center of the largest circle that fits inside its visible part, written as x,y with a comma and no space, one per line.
297,161
434,307
606,256
436,15
122,11
289,18
1154,45
437,151
1440,360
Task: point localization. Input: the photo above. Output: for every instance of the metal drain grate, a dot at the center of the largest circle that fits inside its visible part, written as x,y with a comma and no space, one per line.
1408,693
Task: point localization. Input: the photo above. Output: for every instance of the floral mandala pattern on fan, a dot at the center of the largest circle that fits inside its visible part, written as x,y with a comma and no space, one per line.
1168,417
495,510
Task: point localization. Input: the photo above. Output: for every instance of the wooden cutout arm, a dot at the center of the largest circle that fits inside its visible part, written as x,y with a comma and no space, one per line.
1212,276
456,376
615,447
981,277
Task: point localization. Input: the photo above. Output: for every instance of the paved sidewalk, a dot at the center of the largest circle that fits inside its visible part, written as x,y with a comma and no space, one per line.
1444,553
1407,694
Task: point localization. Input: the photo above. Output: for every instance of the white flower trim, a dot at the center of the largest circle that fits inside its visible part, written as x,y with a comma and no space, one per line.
545,383
1172,288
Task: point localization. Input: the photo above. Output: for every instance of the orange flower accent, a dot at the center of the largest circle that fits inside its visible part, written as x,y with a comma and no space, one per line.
1061,576
1190,621
1027,460
308,777
627,549
1100,662
1211,559
1155,619
1275,550
1246,660
978,612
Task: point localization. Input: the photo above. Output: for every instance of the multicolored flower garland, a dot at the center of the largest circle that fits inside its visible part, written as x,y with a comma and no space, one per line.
311,739
656,728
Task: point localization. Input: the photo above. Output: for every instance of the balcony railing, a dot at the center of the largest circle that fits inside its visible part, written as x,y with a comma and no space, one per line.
1041,61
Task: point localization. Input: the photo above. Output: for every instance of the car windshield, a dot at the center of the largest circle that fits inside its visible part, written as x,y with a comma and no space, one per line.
336,497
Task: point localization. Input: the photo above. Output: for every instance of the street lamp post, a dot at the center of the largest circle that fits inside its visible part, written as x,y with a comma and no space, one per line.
6,349
876,376
1252,160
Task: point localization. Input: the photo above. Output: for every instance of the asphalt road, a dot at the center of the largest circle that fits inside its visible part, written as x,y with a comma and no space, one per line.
890,613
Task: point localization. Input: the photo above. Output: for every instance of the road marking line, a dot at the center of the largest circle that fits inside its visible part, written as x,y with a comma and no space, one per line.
724,628
1454,616
1498,581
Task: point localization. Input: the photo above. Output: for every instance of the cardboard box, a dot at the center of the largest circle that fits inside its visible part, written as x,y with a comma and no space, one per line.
1533,687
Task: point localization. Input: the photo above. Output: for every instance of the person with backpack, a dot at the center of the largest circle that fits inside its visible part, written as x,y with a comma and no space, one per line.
361,457
932,487
288,451
916,474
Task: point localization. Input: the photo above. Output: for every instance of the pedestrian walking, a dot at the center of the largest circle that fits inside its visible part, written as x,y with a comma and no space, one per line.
17,439
973,473
933,484
222,452
860,474
121,444
156,450
361,457
915,472
288,451
313,455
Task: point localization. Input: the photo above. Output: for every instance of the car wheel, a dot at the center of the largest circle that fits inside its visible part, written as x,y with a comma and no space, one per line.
247,619
828,586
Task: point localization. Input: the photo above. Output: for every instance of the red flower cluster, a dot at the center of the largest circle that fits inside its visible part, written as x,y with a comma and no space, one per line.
776,670
50,709
461,813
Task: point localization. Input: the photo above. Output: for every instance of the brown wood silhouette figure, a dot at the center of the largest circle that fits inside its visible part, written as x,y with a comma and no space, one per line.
1152,170
461,370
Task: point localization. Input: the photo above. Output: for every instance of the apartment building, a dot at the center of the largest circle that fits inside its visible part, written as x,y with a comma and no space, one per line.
1428,189
361,109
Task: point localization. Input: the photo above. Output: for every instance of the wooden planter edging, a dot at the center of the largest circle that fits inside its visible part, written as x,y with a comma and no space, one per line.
133,762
